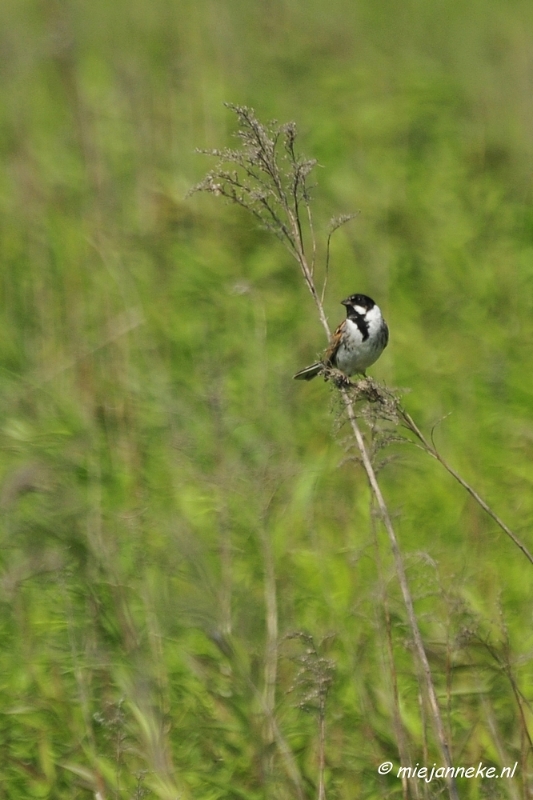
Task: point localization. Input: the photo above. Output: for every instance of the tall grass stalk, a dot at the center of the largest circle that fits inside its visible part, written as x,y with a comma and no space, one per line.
267,178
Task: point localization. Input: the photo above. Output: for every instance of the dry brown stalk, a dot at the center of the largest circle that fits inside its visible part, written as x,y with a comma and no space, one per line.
267,178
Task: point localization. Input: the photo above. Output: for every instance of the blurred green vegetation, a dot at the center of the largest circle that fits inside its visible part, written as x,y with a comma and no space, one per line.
173,504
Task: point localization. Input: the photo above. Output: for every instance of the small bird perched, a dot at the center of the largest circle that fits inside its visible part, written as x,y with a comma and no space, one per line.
358,341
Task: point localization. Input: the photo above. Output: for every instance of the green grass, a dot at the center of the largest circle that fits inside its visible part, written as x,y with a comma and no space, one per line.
158,465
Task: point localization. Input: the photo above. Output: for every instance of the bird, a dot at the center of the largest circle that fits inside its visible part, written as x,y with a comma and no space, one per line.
357,343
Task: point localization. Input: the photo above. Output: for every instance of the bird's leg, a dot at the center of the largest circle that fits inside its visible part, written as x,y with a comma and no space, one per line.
340,380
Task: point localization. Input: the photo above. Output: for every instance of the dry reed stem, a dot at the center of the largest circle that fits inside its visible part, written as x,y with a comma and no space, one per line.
404,587
434,453
274,195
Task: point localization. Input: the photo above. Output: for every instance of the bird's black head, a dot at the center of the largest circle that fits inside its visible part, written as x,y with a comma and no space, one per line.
360,303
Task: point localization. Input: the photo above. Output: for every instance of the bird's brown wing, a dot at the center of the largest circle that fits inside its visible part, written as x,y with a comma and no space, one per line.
331,352
328,361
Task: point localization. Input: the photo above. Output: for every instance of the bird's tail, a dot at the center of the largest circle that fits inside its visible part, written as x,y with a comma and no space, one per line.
309,372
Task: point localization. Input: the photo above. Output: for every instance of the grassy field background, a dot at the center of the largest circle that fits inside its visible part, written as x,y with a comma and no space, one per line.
176,509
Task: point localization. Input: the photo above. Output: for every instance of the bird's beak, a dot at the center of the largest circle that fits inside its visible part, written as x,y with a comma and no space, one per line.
346,302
